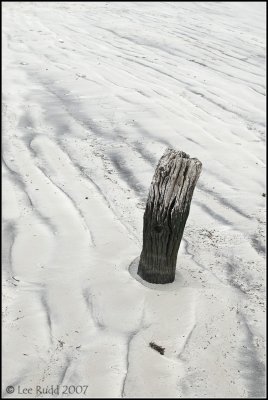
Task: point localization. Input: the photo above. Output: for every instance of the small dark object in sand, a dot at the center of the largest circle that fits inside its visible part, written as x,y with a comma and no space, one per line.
263,195
154,346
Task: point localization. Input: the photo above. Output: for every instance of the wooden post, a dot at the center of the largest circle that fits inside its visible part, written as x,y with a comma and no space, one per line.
166,212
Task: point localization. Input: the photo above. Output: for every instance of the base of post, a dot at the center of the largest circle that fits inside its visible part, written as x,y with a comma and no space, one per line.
155,277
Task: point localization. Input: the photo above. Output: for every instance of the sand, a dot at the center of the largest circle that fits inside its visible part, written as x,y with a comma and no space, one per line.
93,93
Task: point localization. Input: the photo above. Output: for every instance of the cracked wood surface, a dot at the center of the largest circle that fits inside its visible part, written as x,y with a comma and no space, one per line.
166,213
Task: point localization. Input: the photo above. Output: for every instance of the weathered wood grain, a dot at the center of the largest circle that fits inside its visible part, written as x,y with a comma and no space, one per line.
166,212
